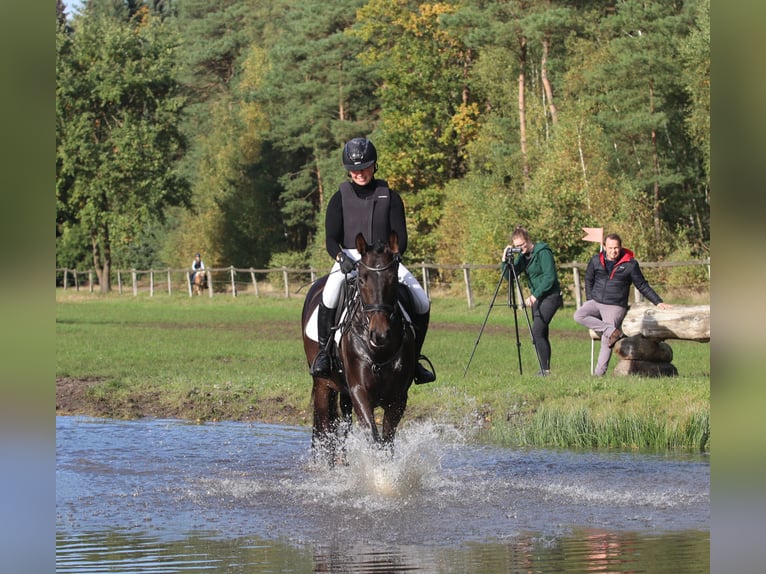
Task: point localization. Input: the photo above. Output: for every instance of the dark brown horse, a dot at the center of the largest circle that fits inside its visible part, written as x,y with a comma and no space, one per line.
376,358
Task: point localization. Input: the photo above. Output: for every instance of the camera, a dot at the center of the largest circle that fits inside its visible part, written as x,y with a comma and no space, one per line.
510,251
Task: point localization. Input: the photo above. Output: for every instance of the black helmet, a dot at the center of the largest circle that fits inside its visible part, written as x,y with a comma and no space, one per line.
359,154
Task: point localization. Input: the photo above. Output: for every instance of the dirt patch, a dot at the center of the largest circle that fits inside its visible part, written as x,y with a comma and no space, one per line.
76,397
71,394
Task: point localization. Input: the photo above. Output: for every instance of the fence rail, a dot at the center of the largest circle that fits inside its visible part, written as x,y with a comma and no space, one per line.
436,279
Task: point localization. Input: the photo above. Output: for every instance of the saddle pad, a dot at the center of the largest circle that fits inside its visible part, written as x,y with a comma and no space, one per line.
313,333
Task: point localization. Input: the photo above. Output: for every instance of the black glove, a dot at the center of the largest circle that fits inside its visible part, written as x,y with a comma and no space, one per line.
347,265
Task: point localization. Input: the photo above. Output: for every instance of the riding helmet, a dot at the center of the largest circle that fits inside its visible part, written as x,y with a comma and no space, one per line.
359,154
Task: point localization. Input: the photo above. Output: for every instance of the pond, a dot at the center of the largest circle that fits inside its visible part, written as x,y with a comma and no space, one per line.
172,496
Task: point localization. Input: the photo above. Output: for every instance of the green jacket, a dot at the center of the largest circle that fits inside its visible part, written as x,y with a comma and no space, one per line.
540,269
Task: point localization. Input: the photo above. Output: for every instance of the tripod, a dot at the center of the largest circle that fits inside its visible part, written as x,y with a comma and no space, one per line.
514,287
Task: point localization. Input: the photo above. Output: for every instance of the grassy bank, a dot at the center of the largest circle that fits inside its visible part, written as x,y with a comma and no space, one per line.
242,359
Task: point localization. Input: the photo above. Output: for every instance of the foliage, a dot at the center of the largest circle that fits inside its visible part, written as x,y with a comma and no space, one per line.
117,131
289,260
486,114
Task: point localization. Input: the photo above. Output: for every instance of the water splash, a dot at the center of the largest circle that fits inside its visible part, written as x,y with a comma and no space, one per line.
383,477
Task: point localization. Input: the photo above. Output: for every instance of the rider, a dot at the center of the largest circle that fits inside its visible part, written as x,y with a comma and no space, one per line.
197,266
365,205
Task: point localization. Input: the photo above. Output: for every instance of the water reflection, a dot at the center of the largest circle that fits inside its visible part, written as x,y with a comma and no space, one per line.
169,496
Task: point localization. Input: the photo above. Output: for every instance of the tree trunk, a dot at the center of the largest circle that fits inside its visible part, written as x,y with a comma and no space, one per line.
546,82
102,262
656,167
522,109
688,322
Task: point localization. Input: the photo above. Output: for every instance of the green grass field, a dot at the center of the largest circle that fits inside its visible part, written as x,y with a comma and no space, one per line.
242,359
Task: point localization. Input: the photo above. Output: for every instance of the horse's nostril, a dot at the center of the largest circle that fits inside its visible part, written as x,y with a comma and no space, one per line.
378,338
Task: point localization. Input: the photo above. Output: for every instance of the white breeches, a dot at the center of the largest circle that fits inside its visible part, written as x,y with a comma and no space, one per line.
331,293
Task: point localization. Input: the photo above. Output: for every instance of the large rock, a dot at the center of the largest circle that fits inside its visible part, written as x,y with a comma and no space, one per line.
645,368
689,322
639,348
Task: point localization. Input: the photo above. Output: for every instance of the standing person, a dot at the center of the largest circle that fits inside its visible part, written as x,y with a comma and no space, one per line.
537,262
608,278
365,205
197,266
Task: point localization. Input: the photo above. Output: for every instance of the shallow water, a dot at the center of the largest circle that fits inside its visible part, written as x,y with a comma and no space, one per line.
171,496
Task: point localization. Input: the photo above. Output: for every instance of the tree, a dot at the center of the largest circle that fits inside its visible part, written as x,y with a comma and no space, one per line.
117,139
318,95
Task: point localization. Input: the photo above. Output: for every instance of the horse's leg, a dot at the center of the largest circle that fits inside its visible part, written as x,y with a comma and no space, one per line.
322,440
392,416
364,410
344,424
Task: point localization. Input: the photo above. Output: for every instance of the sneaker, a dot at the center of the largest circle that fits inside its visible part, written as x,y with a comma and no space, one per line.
544,373
616,335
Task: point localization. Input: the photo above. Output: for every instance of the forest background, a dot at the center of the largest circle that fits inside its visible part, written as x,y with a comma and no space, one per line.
187,126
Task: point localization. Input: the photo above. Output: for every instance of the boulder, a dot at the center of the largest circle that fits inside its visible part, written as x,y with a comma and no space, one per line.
645,368
639,348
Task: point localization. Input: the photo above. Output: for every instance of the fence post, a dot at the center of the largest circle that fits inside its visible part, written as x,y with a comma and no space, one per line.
314,275
284,278
188,283
76,281
425,278
577,293
255,283
170,287
133,279
66,272
151,282
233,283
90,281
119,282
467,279
209,282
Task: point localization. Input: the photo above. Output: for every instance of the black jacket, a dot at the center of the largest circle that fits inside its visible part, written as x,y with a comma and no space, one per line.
614,289
374,210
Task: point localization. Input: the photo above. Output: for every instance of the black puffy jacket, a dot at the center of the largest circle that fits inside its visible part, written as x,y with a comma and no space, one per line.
614,289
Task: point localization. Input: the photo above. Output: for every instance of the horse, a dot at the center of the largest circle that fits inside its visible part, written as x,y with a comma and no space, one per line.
199,282
376,356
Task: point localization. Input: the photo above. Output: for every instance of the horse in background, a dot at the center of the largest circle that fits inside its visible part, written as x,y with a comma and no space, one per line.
376,354
199,283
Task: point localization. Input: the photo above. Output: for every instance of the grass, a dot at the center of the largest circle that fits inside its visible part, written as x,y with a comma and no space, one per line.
242,359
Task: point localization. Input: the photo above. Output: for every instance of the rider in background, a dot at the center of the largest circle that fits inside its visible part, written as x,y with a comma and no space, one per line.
197,266
365,205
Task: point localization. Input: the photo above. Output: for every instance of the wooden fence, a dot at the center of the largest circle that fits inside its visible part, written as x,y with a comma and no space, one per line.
437,280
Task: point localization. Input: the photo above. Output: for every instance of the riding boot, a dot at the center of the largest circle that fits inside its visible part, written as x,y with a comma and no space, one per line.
325,320
420,322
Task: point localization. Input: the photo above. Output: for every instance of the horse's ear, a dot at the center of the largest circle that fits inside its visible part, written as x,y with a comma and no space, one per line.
361,244
393,242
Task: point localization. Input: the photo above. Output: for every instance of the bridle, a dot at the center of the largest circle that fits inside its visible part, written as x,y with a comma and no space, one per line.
367,308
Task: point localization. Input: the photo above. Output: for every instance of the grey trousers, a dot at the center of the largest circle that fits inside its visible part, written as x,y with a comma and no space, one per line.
603,319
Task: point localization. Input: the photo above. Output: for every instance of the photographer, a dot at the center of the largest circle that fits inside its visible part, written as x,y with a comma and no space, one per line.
537,262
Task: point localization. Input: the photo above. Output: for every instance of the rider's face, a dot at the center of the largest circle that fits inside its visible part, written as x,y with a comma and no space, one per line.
363,176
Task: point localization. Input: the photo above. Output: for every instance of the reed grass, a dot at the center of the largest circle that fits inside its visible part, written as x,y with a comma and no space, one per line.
242,359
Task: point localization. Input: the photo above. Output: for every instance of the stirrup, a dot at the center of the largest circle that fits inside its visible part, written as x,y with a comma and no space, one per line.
430,364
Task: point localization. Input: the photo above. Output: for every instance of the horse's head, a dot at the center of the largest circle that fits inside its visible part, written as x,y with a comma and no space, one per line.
378,279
